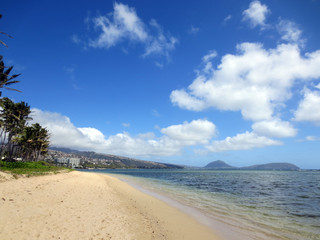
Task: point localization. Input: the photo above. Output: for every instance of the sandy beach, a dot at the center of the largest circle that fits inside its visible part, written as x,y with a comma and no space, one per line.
80,205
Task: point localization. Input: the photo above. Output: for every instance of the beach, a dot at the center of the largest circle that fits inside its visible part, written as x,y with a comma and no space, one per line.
80,205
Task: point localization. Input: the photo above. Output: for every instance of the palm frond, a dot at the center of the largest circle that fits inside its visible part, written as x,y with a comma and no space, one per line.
12,89
9,82
6,34
3,43
7,72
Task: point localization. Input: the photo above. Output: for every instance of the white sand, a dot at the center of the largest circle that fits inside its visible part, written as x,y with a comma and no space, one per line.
80,205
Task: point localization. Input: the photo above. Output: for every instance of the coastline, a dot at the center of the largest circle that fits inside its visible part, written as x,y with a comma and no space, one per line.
223,227
79,205
238,213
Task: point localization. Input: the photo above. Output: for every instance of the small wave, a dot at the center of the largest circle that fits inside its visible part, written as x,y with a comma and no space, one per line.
303,196
306,215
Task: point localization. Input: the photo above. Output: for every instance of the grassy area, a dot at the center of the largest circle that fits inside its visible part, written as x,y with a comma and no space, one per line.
30,168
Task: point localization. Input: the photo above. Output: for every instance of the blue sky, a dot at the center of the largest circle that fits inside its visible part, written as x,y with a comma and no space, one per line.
167,81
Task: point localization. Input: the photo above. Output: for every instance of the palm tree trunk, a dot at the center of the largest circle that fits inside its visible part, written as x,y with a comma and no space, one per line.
10,146
39,152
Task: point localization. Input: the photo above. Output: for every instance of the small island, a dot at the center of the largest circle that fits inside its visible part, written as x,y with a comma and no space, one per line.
221,165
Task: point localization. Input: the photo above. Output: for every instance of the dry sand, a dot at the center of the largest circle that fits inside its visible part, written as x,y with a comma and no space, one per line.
80,205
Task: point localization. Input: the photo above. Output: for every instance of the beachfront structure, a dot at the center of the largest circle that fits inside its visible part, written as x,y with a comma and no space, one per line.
68,162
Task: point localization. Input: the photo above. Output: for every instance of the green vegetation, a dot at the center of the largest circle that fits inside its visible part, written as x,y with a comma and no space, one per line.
30,168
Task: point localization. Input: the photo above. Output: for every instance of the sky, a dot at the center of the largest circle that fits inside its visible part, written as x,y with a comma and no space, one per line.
180,82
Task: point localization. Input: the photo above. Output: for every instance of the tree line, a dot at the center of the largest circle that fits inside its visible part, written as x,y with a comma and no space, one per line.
18,139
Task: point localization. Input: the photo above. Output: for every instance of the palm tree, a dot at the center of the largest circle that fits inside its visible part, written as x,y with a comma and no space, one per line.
7,107
14,117
33,142
5,78
42,141
4,34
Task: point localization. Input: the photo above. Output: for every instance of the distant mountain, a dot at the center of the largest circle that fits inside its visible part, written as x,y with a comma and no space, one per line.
219,165
273,166
65,150
117,161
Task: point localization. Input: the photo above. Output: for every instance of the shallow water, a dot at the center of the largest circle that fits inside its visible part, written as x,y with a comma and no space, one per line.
269,204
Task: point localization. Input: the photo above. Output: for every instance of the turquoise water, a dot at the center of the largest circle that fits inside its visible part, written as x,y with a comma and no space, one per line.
261,204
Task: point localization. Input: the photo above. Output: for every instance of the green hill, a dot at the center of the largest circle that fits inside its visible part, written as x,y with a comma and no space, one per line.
219,165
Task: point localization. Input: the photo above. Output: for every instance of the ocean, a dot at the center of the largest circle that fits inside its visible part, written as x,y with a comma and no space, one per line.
240,204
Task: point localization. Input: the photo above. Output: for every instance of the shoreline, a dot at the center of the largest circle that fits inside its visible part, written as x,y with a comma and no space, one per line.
79,205
225,228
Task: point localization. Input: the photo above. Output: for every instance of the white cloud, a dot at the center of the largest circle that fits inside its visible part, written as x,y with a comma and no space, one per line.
309,139
274,128
93,135
75,38
123,24
158,64
290,32
243,141
148,135
187,101
210,55
256,14
227,18
206,61
193,30
127,125
255,81
64,133
312,138
155,113
258,82
174,138
193,133
127,17
159,44
309,107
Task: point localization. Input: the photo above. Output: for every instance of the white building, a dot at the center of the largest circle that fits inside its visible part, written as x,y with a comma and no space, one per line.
68,162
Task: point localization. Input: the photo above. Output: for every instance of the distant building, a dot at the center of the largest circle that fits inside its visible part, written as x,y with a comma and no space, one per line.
74,162
68,162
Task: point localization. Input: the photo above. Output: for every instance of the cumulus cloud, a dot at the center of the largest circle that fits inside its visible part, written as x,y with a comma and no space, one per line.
193,133
243,141
93,135
274,128
309,107
63,133
256,14
187,101
174,138
255,81
123,24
